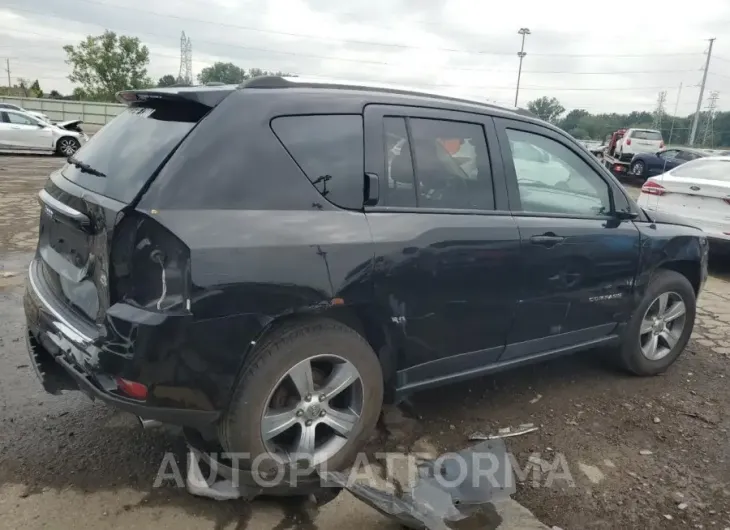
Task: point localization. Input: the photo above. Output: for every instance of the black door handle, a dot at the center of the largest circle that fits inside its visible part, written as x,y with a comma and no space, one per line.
546,240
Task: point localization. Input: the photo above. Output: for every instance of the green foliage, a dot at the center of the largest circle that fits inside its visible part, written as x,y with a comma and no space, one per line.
231,74
106,64
167,80
583,125
545,108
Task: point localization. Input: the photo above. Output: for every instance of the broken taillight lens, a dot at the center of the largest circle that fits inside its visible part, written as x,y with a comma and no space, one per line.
652,188
151,266
132,389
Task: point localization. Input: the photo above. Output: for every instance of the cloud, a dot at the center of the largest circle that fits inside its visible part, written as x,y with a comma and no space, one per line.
466,47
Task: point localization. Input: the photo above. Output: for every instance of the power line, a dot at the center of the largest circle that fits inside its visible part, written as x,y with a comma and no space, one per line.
347,41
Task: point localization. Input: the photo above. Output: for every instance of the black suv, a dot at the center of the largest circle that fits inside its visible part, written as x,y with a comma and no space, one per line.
267,263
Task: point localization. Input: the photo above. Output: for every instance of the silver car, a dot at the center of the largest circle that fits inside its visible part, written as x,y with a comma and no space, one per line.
24,132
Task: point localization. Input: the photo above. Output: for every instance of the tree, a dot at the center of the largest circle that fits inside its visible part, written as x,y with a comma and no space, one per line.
227,73
55,94
545,108
106,64
231,74
167,80
35,88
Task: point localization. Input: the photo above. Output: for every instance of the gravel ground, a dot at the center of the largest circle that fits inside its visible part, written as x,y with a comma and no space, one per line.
612,451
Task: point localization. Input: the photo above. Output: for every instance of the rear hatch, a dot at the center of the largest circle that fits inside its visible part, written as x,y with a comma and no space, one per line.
645,141
83,202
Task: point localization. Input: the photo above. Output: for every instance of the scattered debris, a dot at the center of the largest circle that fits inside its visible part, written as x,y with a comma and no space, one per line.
8,274
609,463
702,417
536,399
657,419
645,452
594,474
677,497
571,422
505,432
682,506
668,517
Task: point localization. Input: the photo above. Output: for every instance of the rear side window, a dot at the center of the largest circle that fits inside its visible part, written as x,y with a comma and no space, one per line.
329,150
646,135
127,151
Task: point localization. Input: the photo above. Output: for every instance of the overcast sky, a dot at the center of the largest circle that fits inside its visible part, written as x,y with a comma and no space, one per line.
467,47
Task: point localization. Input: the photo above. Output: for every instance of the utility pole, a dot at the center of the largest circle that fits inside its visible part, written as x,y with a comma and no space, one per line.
521,54
7,69
702,93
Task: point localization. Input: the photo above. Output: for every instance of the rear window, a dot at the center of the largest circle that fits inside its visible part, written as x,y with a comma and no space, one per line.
647,135
329,150
704,169
130,148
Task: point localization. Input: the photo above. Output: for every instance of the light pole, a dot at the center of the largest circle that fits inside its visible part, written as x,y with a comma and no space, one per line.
521,54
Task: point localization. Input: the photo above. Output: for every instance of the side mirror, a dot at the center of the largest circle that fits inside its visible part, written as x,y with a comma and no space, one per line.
623,215
41,125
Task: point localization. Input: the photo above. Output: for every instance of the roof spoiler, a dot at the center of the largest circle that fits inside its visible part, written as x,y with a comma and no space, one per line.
209,96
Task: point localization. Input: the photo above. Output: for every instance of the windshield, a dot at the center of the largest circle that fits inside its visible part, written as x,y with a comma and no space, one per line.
647,135
125,153
705,169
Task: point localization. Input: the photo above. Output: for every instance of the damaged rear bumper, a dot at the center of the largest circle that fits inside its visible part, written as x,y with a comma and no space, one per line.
70,354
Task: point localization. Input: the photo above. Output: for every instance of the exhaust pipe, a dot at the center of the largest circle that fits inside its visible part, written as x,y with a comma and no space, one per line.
149,424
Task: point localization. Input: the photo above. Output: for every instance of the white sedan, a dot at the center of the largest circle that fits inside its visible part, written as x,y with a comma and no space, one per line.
698,191
10,106
24,132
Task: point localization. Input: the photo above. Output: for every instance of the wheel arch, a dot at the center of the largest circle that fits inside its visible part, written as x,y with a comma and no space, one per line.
361,319
687,268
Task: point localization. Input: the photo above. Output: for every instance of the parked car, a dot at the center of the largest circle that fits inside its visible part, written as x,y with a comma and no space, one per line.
646,165
21,131
265,264
698,191
636,141
10,106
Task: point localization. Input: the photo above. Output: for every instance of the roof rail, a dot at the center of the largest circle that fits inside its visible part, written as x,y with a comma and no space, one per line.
310,82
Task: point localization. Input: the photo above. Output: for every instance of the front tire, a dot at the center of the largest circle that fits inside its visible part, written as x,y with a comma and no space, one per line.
660,326
67,146
311,392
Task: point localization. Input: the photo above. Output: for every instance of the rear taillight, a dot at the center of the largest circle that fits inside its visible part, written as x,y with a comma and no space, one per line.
727,200
150,265
132,389
628,141
652,188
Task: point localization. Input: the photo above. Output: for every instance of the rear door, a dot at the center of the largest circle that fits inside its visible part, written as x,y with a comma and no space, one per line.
82,202
446,248
7,138
578,261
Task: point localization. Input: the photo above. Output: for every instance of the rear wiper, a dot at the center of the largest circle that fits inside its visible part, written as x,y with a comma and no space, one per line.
84,167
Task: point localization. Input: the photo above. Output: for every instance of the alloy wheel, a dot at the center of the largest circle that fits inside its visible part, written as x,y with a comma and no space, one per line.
638,169
313,410
68,146
662,325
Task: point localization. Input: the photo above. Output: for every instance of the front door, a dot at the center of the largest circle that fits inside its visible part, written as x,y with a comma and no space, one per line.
579,260
26,132
446,246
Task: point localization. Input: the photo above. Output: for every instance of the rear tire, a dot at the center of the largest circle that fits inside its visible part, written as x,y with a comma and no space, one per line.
67,146
638,169
663,320
267,388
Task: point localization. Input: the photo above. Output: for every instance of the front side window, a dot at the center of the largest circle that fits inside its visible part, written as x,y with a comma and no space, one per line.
401,182
329,150
669,155
558,181
452,165
19,119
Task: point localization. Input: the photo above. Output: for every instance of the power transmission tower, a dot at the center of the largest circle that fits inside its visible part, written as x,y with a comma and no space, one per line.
185,77
660,112
521,54
7,69
702,93
710,123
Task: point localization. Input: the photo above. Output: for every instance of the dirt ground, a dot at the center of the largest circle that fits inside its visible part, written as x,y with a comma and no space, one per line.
611,451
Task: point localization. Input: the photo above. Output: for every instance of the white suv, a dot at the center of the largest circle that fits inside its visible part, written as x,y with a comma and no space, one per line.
637,141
